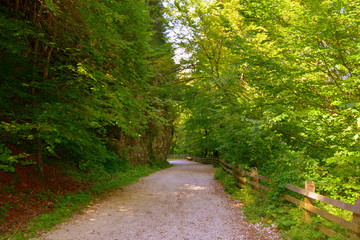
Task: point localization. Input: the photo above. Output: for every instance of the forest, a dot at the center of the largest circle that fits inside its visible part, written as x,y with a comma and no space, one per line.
83,80
86,94
274,85
101,86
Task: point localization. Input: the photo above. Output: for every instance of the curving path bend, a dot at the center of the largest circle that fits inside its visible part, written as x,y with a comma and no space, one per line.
183,202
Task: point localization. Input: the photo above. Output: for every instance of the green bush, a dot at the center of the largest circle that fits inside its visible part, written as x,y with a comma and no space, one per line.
229,183
7,159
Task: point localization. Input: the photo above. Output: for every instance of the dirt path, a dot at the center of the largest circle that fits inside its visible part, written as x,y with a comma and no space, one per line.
182,202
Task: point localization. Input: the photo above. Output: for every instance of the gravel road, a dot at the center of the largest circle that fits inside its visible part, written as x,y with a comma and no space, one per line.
183,202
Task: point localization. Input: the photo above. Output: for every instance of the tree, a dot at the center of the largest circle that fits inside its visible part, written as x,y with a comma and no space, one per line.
277,82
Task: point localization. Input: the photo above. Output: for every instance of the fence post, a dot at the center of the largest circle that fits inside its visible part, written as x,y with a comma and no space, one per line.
240,170
356,220
254,172
310,186
239,174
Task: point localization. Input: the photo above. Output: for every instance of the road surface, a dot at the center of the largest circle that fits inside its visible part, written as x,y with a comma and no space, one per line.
183,202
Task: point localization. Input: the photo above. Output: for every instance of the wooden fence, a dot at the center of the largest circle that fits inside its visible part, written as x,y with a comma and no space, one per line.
256,181
177,156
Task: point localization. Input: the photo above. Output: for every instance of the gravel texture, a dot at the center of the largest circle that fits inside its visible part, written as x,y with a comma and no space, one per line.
183,202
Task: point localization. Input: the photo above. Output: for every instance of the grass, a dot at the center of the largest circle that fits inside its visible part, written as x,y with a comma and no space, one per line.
68,204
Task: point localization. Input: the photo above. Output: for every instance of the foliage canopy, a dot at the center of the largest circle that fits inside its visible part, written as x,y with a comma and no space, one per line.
76,73
274,85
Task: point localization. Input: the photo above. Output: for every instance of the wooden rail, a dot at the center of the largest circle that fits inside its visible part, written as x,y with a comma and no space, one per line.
253,178
176,156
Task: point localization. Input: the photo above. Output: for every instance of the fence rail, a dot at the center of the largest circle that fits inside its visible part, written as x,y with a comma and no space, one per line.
177,156
253,178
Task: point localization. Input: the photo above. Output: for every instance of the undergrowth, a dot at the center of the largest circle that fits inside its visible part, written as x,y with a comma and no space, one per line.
274,211
226,180
68,204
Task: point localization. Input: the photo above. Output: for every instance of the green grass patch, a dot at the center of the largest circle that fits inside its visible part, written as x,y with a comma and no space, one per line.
123,178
